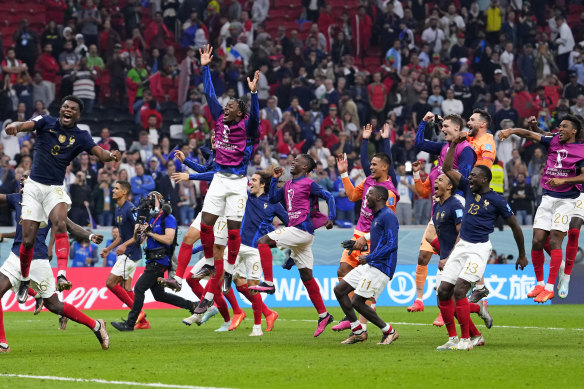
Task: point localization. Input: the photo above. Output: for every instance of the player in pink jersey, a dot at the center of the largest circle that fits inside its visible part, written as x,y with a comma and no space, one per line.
563,171
298,236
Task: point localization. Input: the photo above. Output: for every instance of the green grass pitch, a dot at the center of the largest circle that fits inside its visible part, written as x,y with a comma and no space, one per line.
548,353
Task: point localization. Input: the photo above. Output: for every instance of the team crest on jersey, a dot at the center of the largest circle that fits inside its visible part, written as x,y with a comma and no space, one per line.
442,216
265,205
62,138
487,203
71,140
488,147
477,197
391,201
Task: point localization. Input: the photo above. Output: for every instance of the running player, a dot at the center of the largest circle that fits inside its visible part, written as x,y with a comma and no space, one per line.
464,160
128,250
467,261
299,235
484,146
227,194
160,236
41,274
563,171
375,269
447,217
379,173
58,142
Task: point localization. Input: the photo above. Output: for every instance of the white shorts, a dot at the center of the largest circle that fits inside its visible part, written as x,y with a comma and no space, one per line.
226,196
219,229
300,242
554,214
248,264
368,281
579,207
38,200
124,267
41,275
467,261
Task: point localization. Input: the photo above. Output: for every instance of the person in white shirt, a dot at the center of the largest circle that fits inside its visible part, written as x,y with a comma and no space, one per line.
506,60
565,43
451,105
578,108
452,18
433,36
405,187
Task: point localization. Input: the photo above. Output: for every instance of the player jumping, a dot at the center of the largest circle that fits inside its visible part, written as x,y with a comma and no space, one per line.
44,197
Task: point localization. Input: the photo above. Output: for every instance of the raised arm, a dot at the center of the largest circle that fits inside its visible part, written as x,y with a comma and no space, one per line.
364,155
253,124
16,127
387,150
520,132
317,190
425,145
106,156
79,233
354,194
276,195
521,262
423,188
214,105
449,159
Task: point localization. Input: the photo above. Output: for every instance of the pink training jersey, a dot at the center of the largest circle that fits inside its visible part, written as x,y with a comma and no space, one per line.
437,170
562,162
297,200
230,142
366,216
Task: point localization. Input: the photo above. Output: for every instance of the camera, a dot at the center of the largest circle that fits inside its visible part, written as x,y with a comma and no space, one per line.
436,125
144,207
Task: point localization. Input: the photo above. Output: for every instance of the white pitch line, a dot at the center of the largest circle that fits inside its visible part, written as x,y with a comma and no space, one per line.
497,326
98,381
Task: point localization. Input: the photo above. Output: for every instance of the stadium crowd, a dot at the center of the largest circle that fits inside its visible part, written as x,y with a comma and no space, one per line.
135,66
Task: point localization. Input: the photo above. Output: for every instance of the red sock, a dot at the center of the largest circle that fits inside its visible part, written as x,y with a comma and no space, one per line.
233,243
196,287
62,250
32,292
472,329
555,264
2,333
215,281
207,240
233,302
436,245
122,295
256,306
447,311
474,308
131,295
184,257
315,296
537,258
244,290
463,316
77,316
571,249
266,260
547,247
222,307
25,260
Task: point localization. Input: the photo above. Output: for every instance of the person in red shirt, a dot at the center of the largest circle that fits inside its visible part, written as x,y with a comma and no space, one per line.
47,64
286,144
377,94
56,10
361,26
148,110
331,120
326,19
436,67
157,34
329,138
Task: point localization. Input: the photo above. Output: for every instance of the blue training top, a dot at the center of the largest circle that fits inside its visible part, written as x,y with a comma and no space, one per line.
383,249
446,217
125,221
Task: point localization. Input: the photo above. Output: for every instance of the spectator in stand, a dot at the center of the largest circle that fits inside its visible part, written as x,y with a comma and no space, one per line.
573,89
451,105
272,112
564,42
102,204
68,60
406,189
187,202
537,161
170,64
13,66
51,36
94,61
506,112
143,146
403,153
48,66
41,90
578,108
137,78
89,174
345,207
320,153
433,36
142,183
522,99
80,194
377,92
157,34
544,63
89,18
106,142
83,79
526,66
130,53
196,125
80,47
507,58
344,146
153,130
521,198
27,44
83,253
108,39
499,83
118,70
39,109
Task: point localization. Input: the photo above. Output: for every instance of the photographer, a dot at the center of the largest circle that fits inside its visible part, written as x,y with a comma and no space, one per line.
159,231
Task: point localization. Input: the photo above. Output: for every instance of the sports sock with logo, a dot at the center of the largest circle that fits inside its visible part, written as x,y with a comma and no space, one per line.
32,292
463,316
233,244
315,296
25,260
447,311
571,249
230,296
555,264
195,286
266,260
538,259
222,307
207,240
122,295
77,316
184,257
62,252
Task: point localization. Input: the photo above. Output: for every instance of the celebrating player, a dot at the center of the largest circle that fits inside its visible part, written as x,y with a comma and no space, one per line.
464,160
128,250
58,142
467,261
235,130
374,271
564,170
41,274
379,173
298,236
160,236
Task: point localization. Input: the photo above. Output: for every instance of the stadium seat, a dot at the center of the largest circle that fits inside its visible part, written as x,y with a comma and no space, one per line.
177,132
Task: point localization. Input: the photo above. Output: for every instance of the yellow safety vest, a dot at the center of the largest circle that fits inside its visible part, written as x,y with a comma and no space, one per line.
497,183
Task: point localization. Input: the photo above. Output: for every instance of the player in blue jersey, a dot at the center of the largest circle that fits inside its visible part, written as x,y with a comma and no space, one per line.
369,279
58,142
227,194
41,274
297,195
128,251
469,257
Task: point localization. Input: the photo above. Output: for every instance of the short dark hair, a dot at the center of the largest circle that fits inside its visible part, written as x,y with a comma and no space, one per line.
383,157
310,164
242,105
456,119
484,115
382,192
74,99
265,179
485,171
576,122
125,185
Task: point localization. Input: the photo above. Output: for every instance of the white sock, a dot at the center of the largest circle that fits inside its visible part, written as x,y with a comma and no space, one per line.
549,287
97,326
178,279
356,324
228,322
271,284
386,329
364,326
453,338
322,315
62,273
25,278
209,261
566,278
209,296
540,283
257,327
